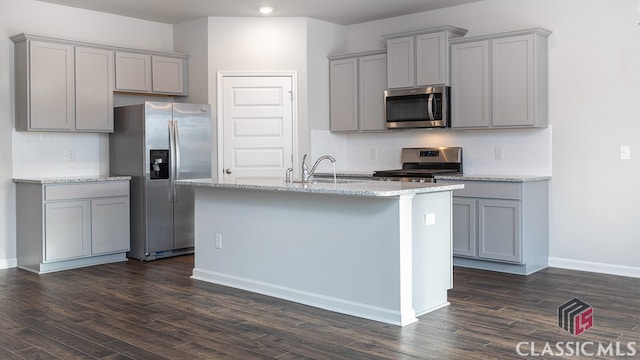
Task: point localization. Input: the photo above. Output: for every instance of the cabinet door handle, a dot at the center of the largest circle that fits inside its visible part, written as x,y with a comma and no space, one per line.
228,171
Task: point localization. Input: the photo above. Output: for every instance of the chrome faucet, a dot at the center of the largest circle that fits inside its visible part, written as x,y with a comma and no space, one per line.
306,174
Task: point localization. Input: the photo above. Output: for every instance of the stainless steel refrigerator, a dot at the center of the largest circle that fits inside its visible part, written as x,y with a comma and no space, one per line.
156,143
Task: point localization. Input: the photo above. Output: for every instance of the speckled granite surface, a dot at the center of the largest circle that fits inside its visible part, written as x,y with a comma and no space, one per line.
465,177
71,179
347,174
341,187
496,178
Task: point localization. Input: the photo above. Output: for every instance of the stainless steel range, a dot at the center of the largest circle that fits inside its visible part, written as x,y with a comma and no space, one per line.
421,164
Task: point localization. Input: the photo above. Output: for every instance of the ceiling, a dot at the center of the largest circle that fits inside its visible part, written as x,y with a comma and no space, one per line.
343,12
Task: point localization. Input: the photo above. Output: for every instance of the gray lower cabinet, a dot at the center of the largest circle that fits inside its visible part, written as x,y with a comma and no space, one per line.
499,236
67,230
501,226
68,225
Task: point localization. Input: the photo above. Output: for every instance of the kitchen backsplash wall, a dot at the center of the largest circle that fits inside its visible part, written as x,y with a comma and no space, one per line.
524,152
49,154
40,154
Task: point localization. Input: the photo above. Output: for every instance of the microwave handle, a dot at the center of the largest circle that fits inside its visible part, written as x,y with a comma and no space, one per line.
430,106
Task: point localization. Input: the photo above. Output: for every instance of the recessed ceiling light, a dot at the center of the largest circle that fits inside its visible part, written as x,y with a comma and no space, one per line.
265,10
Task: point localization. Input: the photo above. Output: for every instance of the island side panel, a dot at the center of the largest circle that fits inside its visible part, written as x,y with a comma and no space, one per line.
432,251
340,253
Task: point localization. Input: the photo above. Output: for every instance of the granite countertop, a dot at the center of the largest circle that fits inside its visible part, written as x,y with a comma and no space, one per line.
366,188
495,178
347,175
70,179
464,177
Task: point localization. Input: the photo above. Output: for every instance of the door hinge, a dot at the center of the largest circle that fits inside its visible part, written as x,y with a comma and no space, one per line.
291,94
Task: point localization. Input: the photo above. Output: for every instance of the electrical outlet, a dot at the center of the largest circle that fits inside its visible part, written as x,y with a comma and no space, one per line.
218,241
71,156
429,219
498,153
625,152
373,153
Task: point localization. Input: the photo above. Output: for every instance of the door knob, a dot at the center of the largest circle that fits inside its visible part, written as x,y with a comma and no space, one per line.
228,171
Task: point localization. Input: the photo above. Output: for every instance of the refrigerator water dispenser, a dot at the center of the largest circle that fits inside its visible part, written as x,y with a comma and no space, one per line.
159,161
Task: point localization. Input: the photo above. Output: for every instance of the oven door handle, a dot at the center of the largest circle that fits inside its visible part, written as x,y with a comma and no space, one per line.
430,106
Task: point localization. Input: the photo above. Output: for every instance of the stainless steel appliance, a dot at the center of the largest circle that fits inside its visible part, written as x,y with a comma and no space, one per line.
421,164
156,143
424,107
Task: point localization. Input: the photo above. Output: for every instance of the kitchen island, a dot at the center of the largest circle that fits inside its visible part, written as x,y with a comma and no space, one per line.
372,249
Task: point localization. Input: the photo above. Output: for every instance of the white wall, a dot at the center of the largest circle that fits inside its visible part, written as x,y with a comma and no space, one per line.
277,45
594,87
192,38
43,154
526,152
322,39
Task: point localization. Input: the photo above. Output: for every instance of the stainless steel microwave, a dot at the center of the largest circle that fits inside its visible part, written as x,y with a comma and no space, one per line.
424,107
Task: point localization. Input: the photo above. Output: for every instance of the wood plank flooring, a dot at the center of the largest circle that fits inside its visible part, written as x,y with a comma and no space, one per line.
153,310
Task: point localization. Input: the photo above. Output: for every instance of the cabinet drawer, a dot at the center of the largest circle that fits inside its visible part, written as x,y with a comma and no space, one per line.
487,190
86,190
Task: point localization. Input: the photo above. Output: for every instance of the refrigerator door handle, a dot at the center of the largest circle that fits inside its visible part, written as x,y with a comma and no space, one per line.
172,162
176,137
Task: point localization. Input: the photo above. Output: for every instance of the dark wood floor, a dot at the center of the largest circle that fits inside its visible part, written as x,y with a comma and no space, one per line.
137,310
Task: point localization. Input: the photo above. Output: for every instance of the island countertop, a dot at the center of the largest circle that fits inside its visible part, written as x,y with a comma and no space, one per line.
367,188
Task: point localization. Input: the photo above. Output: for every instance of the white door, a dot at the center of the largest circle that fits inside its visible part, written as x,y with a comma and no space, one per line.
257,127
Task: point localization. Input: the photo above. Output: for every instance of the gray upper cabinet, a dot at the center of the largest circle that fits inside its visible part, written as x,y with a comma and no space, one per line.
150,73
357,84
61,86
94,89
420,58
500,81
401,62
45,85
168,74
471,84
432,57
372,82
133,72
344,94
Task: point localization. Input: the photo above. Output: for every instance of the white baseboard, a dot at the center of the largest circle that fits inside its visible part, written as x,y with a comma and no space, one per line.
8,263
389,316
611,269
